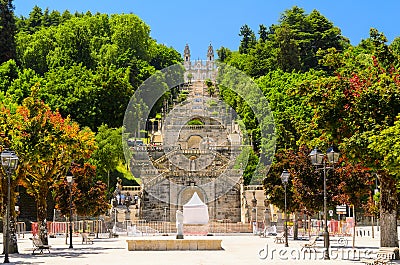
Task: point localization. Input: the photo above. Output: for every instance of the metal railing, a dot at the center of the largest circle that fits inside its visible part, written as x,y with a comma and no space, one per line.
21,229
61,228
146,228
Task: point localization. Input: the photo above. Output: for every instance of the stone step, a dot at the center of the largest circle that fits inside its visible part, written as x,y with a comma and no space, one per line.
123,214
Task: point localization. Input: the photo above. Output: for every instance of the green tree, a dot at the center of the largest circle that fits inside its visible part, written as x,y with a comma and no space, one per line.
109,153
45,143
8,73
92,199
395,47
130,33
262,33
223,53
164,56
290,45
387,144
288,53
381,50
7,31
46,18
91,98
66,15
210,87
33,49
238,60
20,87
248,39
54,18
34,22
73,43
96,40
261,60
112,91
274,188
288,97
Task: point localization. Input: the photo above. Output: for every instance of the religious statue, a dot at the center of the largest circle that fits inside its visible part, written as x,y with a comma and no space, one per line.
119,184
179,224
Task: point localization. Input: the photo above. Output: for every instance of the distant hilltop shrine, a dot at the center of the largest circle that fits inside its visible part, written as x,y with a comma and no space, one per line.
199,70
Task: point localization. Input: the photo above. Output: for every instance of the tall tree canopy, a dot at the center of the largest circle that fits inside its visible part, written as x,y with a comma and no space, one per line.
88,65
248,39
7,31
292,44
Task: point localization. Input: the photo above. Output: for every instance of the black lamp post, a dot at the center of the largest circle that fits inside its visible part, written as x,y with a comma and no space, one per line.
285,178
317,158
70,178
9,161
267,218
254,210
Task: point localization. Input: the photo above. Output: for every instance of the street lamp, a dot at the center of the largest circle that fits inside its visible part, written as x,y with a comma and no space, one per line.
267,218
254,210
317,158
70,179
285,178
9,161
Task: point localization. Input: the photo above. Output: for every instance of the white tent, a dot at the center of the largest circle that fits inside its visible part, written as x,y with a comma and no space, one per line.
195,211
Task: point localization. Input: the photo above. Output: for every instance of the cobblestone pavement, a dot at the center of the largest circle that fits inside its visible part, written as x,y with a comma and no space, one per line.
237,249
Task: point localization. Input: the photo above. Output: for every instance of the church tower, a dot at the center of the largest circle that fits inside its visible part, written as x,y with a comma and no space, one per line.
186,56
210,56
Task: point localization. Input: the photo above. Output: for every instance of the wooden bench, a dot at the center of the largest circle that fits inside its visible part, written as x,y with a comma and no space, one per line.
311,243
87,238
384,256
38,245
280,238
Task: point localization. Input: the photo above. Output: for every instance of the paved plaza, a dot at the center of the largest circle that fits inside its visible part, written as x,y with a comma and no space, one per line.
237,249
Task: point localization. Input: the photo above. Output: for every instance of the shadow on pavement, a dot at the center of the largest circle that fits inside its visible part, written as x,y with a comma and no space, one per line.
29,258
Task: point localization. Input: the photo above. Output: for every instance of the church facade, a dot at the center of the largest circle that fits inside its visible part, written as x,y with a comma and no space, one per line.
199,70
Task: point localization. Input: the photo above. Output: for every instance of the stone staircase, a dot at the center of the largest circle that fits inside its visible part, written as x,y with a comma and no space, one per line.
123,214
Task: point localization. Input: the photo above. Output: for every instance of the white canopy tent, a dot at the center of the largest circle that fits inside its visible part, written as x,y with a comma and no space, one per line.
195,211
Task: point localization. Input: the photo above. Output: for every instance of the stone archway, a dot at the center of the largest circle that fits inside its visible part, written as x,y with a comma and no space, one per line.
187,193
194,142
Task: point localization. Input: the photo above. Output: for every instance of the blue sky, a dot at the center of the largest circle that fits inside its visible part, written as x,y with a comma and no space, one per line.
177,22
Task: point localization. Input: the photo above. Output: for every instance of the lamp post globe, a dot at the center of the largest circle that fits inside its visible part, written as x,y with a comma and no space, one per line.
9,162
285,176
333,154
316,157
